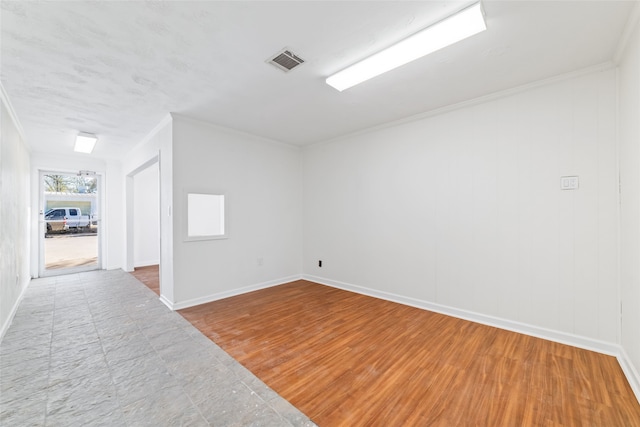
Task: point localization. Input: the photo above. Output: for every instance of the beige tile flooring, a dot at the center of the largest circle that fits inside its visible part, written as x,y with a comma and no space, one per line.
99,348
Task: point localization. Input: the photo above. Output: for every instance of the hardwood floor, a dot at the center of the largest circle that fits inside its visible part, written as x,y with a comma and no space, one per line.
349,360
150,276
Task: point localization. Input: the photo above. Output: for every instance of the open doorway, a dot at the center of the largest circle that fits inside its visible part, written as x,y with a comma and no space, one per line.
146,226
69,222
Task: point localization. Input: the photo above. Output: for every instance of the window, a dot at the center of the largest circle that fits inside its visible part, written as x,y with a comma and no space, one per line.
55,214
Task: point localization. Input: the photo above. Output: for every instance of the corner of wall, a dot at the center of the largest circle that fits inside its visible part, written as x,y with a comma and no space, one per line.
4,98
629,28
628,60
154,148
630,372
15,213
5,326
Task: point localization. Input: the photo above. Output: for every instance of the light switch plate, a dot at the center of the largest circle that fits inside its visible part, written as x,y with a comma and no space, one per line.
569,183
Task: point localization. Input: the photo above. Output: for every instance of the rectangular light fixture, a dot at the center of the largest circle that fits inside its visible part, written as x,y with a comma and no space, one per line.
85,142
459,26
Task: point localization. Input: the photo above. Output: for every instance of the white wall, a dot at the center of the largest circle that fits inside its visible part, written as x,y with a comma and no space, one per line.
464,209
261,182
629,91
146,217
157,147
111,203
114,217
14,216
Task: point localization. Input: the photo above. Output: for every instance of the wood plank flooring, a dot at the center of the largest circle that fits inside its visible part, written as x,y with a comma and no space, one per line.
349,360
149,275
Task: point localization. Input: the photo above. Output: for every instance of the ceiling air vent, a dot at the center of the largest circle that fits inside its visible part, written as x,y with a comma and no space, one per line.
285,60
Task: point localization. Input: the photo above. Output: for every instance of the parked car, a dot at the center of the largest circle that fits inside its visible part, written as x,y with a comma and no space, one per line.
64,219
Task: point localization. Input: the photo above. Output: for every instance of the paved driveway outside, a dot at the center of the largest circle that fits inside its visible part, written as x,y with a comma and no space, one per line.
70,250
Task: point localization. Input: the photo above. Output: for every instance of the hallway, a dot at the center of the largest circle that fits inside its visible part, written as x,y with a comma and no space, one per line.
99,348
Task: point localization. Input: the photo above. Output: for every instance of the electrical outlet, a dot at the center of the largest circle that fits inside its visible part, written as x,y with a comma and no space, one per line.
569,183
260,261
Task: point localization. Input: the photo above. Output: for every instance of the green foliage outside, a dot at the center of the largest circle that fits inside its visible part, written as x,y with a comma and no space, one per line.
70,184
84,206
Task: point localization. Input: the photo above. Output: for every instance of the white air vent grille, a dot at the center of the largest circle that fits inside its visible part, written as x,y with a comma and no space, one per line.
285,60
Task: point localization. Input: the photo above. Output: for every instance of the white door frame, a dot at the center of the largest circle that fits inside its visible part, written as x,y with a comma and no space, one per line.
129,262
42,271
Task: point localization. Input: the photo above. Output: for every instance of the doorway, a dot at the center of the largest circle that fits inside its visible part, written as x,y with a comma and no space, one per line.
143,224
146,227
69,222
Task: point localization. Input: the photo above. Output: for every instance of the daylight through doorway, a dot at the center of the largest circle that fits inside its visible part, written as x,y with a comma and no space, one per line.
70,218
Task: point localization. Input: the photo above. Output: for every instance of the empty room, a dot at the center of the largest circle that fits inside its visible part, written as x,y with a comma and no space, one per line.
331,213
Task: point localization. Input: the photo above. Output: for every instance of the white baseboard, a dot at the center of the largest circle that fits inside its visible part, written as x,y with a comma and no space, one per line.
166,302
226,294
630,372
146,263
586,343
12,314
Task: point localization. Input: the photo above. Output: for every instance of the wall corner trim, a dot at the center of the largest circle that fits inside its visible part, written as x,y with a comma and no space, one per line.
630,372
4,97
233,131
226,294
168,303
629,27
157,128
597,68
4,328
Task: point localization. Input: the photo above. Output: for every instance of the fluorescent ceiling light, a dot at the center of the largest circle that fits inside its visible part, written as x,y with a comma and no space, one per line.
463,24
85,143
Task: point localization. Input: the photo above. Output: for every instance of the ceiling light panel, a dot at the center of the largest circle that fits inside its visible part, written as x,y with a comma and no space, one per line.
459,26
85,143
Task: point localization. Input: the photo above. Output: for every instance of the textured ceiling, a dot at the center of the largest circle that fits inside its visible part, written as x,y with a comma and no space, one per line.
117,68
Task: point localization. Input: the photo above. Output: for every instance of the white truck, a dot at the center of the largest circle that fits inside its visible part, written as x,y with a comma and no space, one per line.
64,219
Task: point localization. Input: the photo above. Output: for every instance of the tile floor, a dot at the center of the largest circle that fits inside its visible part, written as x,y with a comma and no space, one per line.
100,349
